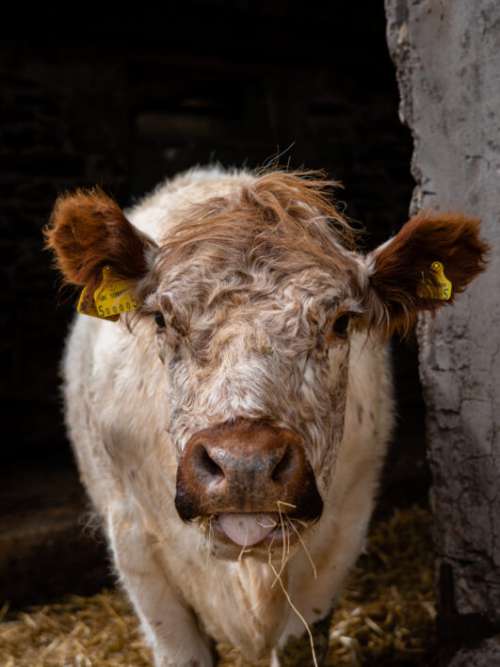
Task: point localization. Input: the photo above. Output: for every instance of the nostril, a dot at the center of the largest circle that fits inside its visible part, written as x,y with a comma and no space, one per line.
283,466
208,465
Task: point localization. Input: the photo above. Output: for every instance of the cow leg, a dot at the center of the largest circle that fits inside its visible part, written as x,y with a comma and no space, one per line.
169,625
295,650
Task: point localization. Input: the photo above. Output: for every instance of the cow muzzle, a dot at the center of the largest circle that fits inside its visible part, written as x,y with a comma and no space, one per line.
246,474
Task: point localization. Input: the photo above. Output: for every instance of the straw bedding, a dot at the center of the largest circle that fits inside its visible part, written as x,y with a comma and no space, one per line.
385,619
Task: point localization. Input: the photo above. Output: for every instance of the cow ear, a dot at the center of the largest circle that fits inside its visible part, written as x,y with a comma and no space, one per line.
87,231
412,271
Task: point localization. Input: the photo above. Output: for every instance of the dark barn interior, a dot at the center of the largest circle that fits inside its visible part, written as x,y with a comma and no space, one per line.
125,106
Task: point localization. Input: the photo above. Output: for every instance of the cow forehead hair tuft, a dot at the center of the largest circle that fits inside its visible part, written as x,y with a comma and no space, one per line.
283,221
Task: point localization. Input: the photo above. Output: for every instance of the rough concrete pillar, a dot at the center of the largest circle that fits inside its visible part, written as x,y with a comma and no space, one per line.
447,54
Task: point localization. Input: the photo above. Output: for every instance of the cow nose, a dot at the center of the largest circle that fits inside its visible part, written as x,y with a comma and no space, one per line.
208,463
246,466
215,464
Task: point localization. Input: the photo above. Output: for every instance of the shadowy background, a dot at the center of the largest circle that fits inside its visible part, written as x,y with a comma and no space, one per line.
125,103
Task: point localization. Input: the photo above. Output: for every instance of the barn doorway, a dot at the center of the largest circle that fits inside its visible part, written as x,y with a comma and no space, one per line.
131,103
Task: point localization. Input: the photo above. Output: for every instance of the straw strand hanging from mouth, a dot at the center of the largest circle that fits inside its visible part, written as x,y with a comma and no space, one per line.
304,547
285,556
278,579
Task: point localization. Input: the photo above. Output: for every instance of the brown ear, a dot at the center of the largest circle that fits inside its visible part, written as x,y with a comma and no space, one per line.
88,230
398,267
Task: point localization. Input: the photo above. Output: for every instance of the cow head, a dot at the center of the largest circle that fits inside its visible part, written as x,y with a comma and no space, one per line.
252,300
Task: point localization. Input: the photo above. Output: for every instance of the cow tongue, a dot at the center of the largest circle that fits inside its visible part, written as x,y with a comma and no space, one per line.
247,529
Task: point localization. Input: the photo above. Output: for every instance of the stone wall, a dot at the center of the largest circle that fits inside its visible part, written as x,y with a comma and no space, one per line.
448,60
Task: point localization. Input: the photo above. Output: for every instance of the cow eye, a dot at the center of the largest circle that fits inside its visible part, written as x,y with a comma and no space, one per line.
341,325
160,320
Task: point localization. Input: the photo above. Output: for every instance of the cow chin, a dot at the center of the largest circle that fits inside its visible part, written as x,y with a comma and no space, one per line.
263,536
260,535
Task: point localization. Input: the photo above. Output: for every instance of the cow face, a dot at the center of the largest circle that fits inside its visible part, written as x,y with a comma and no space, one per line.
252,301
257,365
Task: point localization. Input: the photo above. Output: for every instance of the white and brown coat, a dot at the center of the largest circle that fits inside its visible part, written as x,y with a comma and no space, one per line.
255,306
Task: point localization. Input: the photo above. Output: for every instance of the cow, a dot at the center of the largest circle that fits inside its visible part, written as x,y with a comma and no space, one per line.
228,394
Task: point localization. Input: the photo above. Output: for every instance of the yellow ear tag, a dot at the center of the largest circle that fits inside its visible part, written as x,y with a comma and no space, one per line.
86,305
436,286
113,296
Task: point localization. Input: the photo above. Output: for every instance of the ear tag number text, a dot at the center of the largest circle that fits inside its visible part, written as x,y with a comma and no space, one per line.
113,296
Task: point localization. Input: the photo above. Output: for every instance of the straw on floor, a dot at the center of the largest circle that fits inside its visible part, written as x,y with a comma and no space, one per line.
386,615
